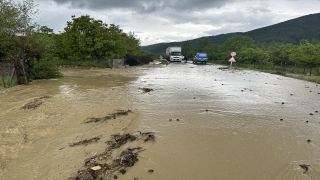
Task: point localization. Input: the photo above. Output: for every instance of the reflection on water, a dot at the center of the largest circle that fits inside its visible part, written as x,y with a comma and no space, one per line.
66,90
229,124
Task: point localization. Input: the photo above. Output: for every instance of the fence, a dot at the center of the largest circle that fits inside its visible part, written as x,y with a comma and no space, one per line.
12,73
115,63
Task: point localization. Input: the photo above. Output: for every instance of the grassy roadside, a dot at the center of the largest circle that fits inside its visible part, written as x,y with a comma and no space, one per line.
292,72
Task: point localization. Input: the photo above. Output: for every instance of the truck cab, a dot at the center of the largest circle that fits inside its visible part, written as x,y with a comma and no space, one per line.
174,54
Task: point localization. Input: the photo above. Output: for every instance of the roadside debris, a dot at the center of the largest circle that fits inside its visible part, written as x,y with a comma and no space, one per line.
34,103
119,140
108,117
106,165
305,167
86,141
146,90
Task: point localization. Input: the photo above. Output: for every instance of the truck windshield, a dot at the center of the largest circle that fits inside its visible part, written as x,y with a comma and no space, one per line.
202,55
175,53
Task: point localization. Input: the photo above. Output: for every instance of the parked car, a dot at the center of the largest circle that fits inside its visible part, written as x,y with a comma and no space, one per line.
201,57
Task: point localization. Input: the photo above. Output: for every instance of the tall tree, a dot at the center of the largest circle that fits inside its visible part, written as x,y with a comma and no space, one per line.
16,19
307,55
237,42
186,47
203,45
86,37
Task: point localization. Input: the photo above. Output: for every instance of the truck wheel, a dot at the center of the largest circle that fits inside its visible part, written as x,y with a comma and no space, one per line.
205,62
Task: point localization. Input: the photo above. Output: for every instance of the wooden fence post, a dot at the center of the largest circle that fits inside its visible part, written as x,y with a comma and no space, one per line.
24,71
17,72
4,84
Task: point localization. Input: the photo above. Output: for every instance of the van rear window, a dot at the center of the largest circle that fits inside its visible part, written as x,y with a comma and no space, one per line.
202,55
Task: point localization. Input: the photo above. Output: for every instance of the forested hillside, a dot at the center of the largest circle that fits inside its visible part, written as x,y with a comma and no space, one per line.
291,31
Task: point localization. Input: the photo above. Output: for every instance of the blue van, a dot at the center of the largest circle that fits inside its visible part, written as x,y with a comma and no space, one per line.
201,57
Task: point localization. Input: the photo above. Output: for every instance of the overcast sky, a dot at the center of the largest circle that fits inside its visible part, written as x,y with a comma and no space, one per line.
156,21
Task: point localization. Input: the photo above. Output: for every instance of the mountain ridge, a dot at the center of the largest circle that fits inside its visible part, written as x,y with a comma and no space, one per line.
291,31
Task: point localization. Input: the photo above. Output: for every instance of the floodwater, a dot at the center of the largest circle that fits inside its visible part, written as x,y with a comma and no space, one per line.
209,123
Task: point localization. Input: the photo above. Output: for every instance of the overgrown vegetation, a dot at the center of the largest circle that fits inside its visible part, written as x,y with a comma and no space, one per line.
9,81
284,59
84,42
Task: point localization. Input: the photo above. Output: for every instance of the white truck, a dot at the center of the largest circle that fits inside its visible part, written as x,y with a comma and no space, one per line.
174,54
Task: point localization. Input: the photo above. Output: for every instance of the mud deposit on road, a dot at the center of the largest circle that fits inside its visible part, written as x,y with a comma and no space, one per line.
49,128
181,121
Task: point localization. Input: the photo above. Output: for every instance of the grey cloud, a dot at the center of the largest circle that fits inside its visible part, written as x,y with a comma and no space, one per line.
145,6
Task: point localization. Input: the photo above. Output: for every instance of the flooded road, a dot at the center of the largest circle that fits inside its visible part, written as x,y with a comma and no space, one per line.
209,123
228,124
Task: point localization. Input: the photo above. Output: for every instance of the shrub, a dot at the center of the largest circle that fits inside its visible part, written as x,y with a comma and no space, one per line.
43,70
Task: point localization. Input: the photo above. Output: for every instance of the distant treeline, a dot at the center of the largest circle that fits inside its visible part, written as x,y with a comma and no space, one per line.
306,55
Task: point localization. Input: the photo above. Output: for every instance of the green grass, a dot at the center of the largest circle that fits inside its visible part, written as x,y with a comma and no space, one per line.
315,79
164,62
290,71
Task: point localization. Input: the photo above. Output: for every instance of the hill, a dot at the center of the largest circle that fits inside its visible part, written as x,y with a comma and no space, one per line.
291,31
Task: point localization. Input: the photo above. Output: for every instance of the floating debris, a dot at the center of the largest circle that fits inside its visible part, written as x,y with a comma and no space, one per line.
105,165
122,171
311,114
129,157
146,90
309,141
150,170
86,141
34,103
108,117
148,136
119,140
305,167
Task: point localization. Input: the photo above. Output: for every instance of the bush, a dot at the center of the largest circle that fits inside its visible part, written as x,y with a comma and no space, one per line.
43,70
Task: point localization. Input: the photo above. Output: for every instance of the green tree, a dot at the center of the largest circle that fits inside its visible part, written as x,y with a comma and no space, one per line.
186,47
237,42
16,21
203,45
307,55
253,56
280,54
85,37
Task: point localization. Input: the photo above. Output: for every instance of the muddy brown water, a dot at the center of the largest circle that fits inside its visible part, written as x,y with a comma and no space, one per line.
209,123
